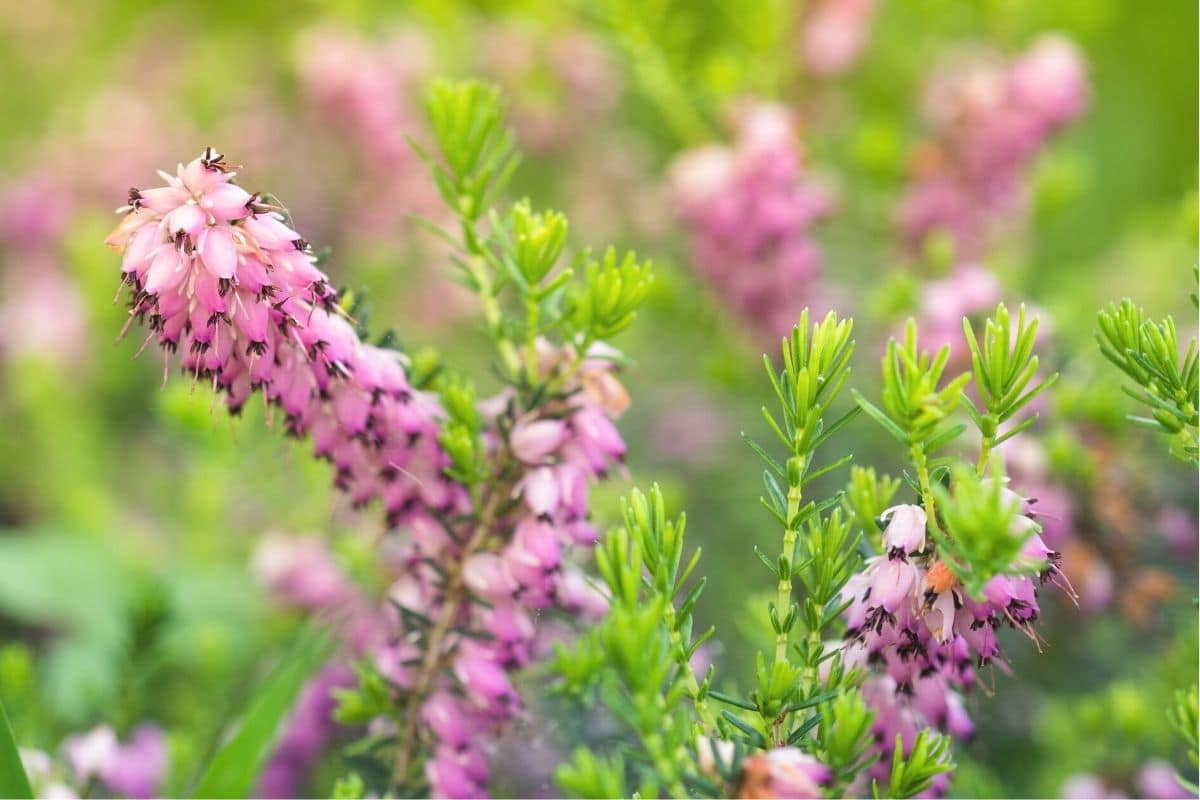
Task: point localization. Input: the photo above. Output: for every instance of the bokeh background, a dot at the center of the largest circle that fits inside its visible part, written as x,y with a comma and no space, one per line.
131,509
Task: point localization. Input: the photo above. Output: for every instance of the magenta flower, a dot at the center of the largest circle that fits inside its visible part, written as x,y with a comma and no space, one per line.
989,118
533,440
220,277
134,769
921,637
301,572
749,210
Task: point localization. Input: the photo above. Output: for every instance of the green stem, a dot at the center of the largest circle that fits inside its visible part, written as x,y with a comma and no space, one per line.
988,433
493,315
920,463
707,722
985,452
455,596
532,311
783,597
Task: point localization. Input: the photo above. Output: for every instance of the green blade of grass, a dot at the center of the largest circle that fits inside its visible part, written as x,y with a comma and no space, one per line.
237,764
13,782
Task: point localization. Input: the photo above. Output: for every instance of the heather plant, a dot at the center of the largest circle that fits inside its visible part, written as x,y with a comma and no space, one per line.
484,498
452,598
899,604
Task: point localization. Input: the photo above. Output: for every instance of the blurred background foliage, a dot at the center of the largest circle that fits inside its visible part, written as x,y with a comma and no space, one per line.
131,510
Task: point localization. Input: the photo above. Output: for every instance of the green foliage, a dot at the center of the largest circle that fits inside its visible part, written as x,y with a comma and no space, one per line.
637,659
1148,353
83,665
914,407
13,781
368,699
607,301
816,365
866,497
1004,366
590,776
1185,718
521,249
829,556
914,774
815,369
844,740
234,768
537,241
350,787
477,150
984,530
461,432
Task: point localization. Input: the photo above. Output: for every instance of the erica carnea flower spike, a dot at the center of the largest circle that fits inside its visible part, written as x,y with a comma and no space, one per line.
486,496
223,280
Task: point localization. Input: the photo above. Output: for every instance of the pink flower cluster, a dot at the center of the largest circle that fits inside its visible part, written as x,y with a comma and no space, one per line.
365,88
221,278
133,769
989,119
1155,780
968,291
749,211
560,448
922,635
308,729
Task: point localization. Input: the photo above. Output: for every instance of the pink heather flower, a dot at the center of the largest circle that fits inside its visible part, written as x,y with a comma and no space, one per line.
487,577
834,34
447,716
485,680
306,732
540,489
89,754
894,579
1158,780
261,317
969,290
748,211
785,772
365,89
581,595
920,636
1086,786
1179,529
905,530
301,572
137,768
989,119
457,772
1051,78
533,440
220,277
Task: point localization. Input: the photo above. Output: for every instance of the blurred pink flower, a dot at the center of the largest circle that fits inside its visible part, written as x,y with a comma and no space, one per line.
989,118
835,32
749,210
